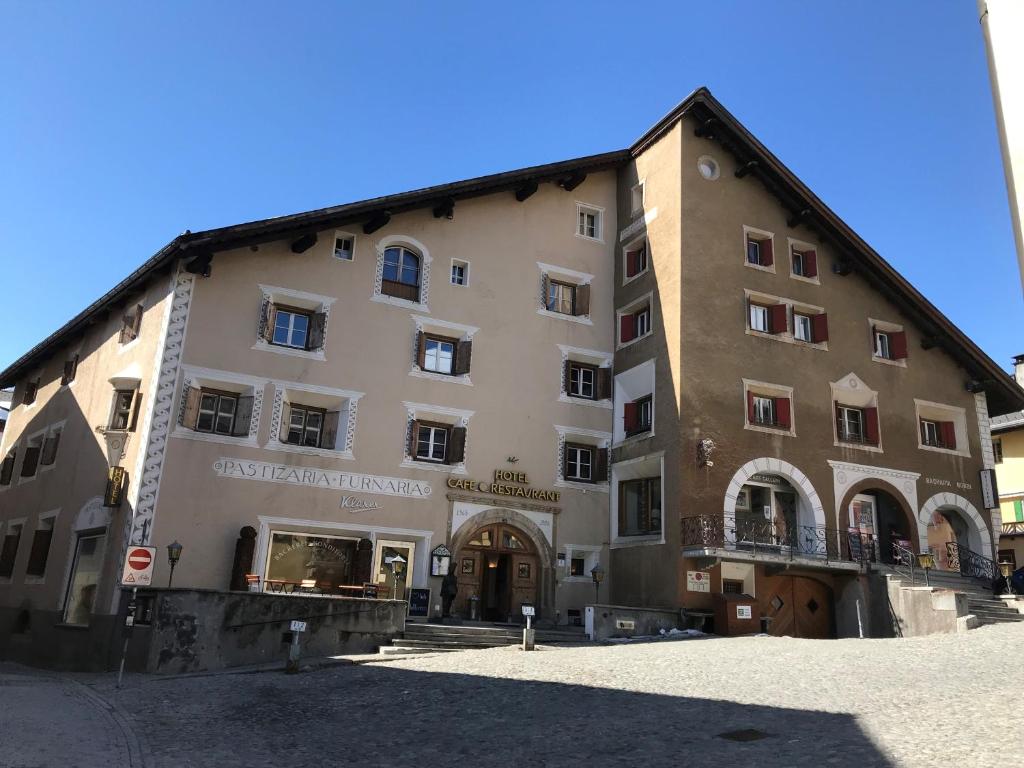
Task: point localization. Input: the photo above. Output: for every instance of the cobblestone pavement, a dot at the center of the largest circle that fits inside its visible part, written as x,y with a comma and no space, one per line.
46,720
935,701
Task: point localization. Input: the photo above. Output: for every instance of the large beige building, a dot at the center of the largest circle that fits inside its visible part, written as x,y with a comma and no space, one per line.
672,361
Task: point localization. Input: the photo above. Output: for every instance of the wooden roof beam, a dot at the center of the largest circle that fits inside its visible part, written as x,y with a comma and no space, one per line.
378,220
200,264
798,218
571,182
526,190
445,208
304,243
748,167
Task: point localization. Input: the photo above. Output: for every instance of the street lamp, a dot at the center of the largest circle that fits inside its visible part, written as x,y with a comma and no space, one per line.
597,574
1005,568
926,560
173,556
393,562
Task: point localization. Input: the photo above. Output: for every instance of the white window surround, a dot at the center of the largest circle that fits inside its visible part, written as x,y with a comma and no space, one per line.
885,327
759,234
465,272
651,465
51,516
628,309
582,207
456,417
339,234
801,245
301,300
425,261
592,556
348,402
637,197
765,389
850,390
24,444
36,377
928,410
50,430
569,275
787,336
199,377
593,437
638,226
631,385
632,245
589,357
442,328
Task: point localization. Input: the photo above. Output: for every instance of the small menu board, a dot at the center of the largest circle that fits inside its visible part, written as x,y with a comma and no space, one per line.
419,602
370,591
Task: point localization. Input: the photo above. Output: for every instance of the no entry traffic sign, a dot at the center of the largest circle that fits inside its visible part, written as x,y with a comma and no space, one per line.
138,567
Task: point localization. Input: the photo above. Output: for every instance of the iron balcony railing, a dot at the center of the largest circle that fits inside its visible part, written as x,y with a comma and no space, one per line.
770,538
970,563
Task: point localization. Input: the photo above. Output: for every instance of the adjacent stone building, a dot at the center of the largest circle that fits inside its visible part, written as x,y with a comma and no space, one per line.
672,363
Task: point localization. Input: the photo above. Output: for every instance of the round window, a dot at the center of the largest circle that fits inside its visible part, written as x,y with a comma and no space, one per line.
708,167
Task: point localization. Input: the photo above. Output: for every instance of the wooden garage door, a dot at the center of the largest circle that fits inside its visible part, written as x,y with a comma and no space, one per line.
799,607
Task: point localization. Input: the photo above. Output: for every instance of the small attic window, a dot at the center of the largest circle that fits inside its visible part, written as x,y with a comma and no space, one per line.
344,246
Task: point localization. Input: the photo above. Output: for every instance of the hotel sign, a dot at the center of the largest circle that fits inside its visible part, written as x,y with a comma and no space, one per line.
329,479
502,486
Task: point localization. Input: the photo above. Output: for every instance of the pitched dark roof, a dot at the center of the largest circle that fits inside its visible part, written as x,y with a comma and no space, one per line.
710,120
1007,421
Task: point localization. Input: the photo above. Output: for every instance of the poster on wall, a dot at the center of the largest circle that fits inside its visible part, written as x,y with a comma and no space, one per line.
698,581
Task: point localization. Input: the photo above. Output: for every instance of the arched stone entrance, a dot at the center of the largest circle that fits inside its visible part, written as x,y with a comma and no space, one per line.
809,507
503,558
880,513
951,517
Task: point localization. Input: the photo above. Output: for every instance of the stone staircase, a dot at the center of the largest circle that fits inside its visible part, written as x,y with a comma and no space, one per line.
421,637
980,601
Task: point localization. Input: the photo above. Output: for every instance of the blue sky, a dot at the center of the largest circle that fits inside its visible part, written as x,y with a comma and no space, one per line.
123,124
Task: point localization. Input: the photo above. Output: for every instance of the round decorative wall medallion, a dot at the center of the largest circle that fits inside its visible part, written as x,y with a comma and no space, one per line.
708,167
852,383
841,478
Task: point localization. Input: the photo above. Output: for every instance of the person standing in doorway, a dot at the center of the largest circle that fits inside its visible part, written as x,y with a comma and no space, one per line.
449,590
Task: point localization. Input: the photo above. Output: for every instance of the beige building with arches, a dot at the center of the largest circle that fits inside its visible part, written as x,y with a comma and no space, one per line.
667,360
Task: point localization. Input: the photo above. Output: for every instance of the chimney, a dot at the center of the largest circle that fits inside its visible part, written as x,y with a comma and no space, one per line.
1018,369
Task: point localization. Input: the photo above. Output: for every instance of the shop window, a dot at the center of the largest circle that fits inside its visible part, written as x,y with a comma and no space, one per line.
402,272
85,578
318,564
9,549
640,507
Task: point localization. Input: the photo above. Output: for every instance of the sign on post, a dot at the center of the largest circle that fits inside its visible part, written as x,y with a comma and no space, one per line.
298,626
529,610
138,567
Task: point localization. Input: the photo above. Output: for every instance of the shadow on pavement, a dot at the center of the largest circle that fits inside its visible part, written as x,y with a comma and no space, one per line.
378,715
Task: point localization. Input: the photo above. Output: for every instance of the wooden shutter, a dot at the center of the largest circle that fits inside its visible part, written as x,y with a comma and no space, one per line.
190,413
632,262
329,434
243,416
421,349
837,414
627,328
947,432
871,425
603,381
463,357
750,407
782,410
630,415
810,263
49,454
317,324
819,328
413,437
778,320
544,283
898,345
40,550
582,300
767,257
600,471
7,468
456,445
126,329
136,407
266,331
286,422
70,367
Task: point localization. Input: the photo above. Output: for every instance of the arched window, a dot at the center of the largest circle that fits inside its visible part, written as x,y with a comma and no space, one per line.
401,273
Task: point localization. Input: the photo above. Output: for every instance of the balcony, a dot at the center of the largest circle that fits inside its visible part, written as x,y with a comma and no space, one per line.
812,546
1013,529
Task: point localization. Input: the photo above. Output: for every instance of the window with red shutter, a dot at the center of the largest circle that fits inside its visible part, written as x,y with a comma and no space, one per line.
898,345
782,412
819,328
810,263
778,321
627,328
871,426
947,435
750,407
630,411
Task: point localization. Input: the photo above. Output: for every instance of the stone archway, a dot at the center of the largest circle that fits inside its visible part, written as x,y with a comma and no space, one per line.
978,533
814,511
878,485
544,550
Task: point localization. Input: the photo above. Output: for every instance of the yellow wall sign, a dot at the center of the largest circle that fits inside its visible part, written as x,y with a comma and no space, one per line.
115,487
502,486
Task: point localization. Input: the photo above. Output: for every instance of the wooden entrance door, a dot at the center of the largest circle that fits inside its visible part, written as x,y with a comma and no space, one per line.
498,566
798,607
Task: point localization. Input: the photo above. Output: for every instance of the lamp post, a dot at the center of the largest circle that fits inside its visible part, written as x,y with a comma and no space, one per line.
927,561
597,574
1005,568
393,561
173,556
